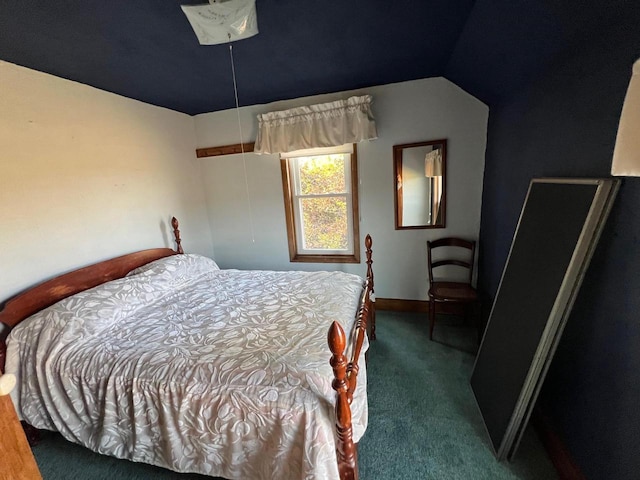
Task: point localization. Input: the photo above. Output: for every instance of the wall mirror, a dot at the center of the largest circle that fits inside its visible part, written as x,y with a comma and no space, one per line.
420,178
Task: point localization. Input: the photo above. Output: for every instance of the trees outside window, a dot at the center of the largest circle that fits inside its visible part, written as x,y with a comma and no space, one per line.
321,204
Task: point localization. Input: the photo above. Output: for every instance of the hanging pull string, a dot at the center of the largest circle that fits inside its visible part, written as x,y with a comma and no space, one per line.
244,162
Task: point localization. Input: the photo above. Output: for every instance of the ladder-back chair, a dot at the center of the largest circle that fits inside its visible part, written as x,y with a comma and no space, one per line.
446,291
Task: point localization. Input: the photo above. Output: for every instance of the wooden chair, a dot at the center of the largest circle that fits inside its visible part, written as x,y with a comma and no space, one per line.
441,291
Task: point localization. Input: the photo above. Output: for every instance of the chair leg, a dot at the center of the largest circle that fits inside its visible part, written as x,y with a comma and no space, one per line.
432,317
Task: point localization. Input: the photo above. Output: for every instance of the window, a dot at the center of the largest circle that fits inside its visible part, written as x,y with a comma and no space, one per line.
321,204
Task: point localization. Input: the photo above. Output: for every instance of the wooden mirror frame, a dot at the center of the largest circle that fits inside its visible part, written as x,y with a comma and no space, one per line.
398,191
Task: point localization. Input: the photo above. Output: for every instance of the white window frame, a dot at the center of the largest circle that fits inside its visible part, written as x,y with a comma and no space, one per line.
293,197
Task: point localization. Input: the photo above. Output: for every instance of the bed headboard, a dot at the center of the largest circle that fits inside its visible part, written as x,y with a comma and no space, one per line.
52,291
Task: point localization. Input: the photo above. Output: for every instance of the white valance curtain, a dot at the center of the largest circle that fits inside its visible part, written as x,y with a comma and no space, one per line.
315,126
433,163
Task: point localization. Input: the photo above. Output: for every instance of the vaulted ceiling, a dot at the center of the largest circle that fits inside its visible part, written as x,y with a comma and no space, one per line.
146,49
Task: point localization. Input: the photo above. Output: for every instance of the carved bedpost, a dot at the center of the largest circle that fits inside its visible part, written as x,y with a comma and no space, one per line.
3,349
176,234
368,242
4,333
345,448
360,331
8,383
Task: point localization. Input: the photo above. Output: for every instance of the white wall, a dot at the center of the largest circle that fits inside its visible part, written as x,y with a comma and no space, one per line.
86,175
406,112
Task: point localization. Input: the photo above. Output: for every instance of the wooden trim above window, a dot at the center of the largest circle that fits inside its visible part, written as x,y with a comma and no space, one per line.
294,256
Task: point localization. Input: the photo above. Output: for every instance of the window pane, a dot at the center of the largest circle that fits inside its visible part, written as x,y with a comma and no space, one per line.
322,174
324,223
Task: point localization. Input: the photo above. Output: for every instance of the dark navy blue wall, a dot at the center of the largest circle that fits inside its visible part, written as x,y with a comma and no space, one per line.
564,124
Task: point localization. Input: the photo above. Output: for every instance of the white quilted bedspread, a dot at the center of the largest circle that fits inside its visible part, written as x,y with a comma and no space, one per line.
193,368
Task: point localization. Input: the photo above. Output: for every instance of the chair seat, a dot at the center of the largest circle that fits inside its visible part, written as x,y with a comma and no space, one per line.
452,292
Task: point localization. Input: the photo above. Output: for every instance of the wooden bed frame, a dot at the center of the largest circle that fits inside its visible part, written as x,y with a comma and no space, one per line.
345,370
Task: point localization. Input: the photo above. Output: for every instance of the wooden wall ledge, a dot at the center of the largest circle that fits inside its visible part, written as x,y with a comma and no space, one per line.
224,150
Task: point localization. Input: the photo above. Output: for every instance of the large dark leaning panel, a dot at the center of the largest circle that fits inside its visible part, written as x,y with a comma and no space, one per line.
558,227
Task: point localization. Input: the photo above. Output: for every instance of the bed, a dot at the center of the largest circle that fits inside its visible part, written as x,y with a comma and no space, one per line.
163,358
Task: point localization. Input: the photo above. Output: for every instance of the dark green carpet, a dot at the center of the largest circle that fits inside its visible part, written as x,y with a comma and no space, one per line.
423,422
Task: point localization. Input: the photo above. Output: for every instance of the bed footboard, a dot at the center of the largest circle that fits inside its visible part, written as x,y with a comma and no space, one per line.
346,376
